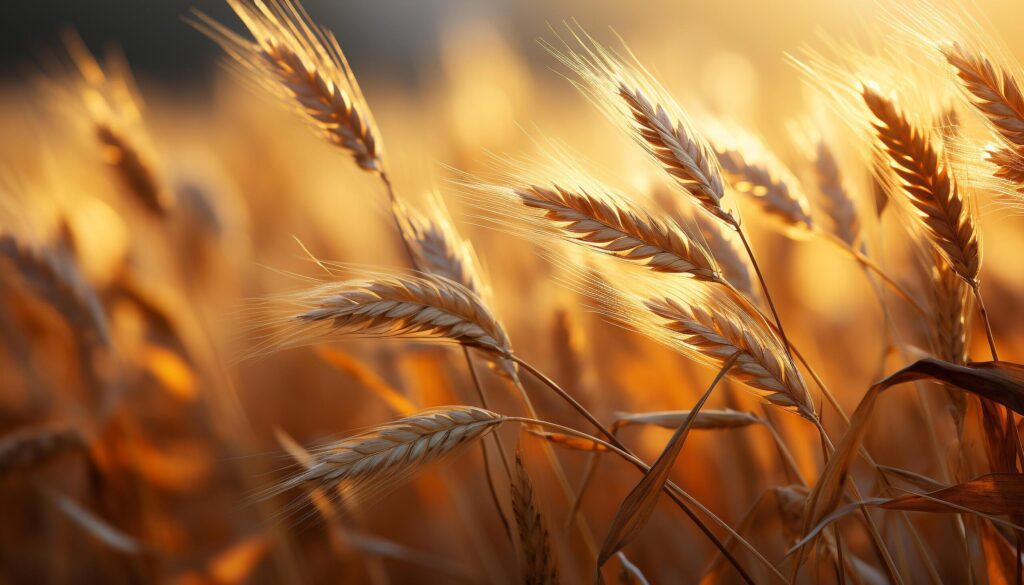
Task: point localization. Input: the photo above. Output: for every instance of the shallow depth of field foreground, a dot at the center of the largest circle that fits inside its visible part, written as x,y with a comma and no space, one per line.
513,293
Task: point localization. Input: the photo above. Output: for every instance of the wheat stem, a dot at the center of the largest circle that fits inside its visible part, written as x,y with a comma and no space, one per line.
867,263
620,447
676,493
483,447
984,318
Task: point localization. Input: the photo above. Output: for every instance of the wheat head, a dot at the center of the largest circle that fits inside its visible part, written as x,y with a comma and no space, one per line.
384,455
616,228
751,170
538,560
836,200
714,328
26,449
302,64
927,183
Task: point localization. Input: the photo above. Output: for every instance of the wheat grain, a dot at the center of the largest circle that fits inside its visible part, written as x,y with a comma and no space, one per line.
928,185
538,561
302,64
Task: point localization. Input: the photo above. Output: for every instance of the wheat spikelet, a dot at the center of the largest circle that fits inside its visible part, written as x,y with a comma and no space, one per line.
994,92
713,328
302,64
629,95
707,419
538,561
25,449
424,307
752,170
55,277
386,454
615,228
928,185
836,200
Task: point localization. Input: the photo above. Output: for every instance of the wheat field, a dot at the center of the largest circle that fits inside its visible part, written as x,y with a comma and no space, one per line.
549,316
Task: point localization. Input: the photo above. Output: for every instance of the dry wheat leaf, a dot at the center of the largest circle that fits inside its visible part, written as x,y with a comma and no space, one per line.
995,494
638,506
1001,382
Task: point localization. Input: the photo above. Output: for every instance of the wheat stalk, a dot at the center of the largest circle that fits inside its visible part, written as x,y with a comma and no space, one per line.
302,64
713,331
707,419
538,560
928,185
386,454
615,228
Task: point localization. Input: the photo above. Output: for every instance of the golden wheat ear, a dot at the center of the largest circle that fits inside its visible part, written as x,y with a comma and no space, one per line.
302,65
384,456
537,558
425,307
927,184
629,95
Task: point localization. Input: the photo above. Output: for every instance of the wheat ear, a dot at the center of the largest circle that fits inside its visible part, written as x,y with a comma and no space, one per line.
389,453
29,448
711,332
993,92
616,228
836,200
302,64
538,560
763,177
684,155
426,306
55,277
633,98
929,187
115,113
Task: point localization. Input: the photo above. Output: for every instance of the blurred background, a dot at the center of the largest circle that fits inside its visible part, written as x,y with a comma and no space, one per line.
170,433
